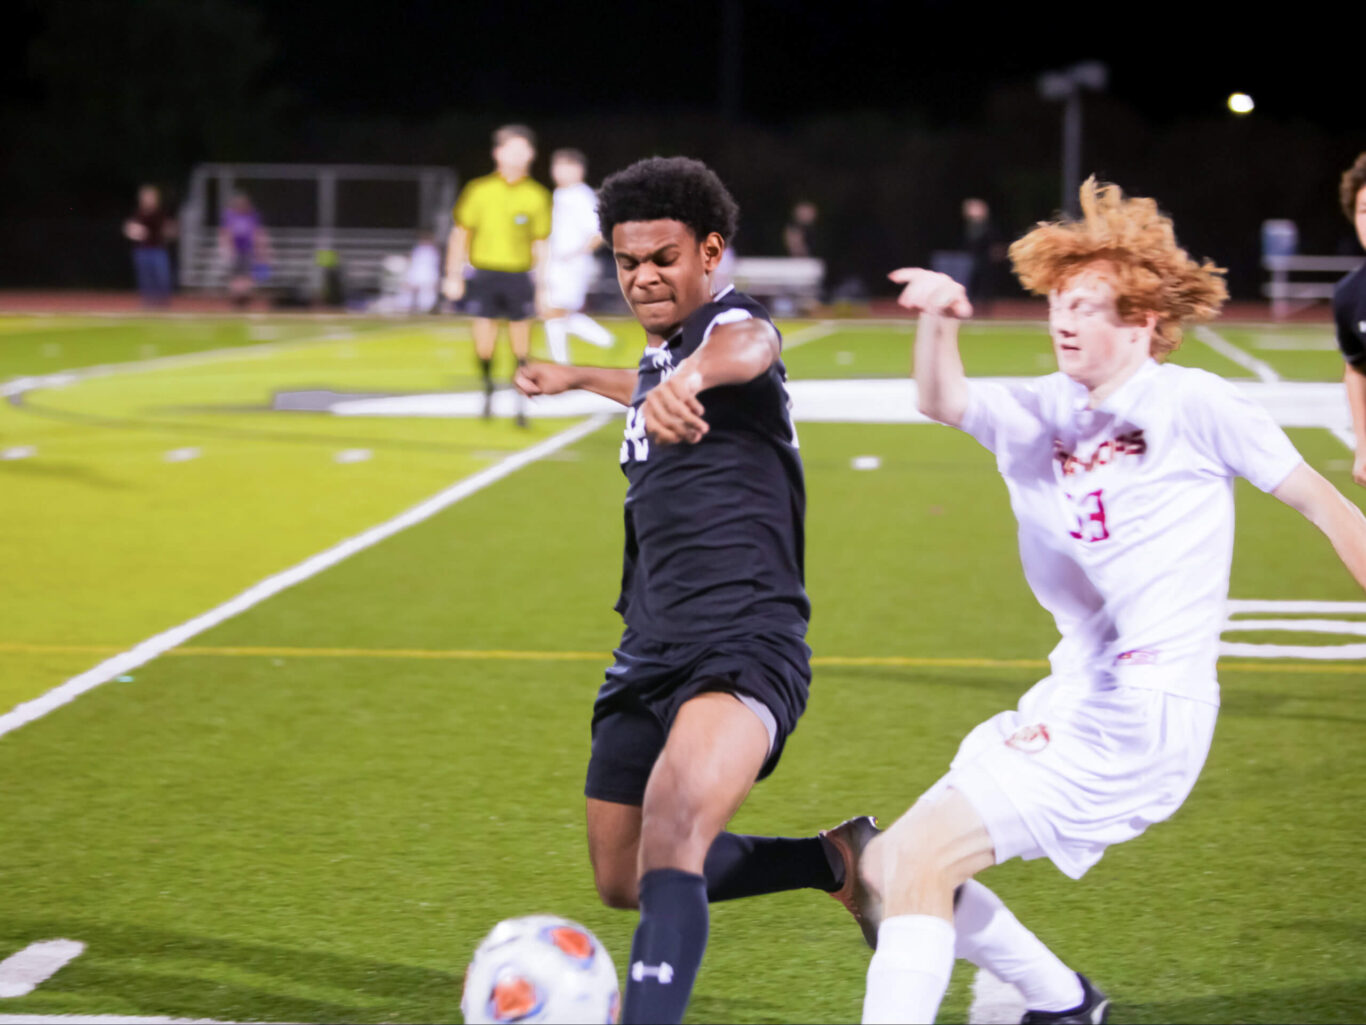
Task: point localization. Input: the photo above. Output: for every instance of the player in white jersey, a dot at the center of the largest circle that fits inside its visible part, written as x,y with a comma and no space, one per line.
569,267
1120,471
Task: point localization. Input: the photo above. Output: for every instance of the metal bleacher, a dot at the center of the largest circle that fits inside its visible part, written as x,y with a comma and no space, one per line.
1288,295
353,215
796,280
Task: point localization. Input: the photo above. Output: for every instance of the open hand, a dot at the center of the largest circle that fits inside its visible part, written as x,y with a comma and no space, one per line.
673,414
930,292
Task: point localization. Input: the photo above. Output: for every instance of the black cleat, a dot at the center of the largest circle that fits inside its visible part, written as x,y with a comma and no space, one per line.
849,839
1093,1009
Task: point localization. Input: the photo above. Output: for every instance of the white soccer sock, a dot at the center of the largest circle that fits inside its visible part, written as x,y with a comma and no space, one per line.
909,971
557,339
991,937
590,330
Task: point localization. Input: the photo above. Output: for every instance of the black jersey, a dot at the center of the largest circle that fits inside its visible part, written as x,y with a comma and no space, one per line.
1349,311
714,531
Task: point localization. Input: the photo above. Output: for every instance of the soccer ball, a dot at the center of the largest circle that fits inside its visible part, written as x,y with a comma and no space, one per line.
540,968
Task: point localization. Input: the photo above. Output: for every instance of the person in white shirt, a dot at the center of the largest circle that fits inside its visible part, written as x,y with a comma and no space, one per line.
423,275
1120,471
569,267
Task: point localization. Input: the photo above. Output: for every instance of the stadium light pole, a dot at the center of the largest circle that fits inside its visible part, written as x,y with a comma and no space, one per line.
1066,86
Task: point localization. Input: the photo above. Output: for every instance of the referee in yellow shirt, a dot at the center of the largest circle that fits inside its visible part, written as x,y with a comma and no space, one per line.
497,241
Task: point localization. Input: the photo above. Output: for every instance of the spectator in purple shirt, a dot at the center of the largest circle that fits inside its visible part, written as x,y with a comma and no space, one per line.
150,231
245,248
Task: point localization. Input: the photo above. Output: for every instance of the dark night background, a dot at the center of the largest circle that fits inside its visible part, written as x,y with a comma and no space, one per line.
886,114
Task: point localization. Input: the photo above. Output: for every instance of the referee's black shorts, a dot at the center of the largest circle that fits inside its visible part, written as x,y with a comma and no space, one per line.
650,680
500,295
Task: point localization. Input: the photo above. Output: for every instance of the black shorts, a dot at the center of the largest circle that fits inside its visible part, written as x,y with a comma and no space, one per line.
651,680
500,295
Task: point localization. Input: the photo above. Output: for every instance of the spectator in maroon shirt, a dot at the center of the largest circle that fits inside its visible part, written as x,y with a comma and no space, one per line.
151,230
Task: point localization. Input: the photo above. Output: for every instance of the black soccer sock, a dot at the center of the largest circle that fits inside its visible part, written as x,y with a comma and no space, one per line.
668,946
746,866
486,369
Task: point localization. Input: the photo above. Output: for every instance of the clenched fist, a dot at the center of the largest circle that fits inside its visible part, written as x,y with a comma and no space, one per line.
672,412
545,378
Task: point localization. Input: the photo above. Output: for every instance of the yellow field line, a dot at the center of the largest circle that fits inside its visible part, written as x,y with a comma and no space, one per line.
513,655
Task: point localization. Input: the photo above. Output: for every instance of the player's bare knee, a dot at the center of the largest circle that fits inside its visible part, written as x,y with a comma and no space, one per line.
674,837
619,892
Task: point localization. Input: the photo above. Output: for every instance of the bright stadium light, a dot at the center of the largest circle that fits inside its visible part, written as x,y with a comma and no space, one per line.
1240,103
1066,86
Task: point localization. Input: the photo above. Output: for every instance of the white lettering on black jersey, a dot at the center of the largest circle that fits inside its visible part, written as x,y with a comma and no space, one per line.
714,530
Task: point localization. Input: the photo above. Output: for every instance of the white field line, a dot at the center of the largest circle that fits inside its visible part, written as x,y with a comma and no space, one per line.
149,649
811,333
1323,653
61,378
1294,343
994,1001
1308,626
1264,371
1229,351
22,973
1313,652
1236,606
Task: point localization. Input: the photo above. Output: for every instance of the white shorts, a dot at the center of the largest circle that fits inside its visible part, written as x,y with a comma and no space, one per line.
566,283
1077,767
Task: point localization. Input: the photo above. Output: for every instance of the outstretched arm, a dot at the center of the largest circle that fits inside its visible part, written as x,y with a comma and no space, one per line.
939,378
457,253
615,383
1306,491
734,353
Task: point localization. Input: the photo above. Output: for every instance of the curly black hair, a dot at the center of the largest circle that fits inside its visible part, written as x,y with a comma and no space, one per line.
1353,181
668,188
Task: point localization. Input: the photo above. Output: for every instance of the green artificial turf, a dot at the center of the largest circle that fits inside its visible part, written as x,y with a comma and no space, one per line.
314,811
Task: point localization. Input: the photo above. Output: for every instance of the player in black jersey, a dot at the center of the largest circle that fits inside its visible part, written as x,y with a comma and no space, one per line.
1349,312
713,668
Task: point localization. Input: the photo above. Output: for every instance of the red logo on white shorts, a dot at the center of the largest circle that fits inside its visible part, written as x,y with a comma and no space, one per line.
1029,739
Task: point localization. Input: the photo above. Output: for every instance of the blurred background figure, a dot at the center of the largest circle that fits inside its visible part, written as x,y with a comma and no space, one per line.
501,223
423,274
569,267
984,248
245,249
151,232
798,235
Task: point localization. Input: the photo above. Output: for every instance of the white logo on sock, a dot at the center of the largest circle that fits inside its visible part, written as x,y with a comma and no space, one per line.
664,972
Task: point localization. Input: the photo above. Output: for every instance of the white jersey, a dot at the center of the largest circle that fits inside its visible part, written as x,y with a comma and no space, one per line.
573,221
424,265
1126,513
